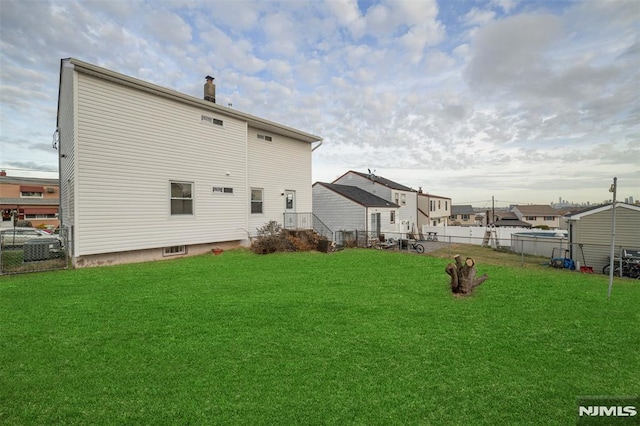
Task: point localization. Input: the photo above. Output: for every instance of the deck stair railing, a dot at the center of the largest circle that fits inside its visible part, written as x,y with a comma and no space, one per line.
307,220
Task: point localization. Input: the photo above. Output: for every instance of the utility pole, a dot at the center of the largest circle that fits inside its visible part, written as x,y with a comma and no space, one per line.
614,187
493,209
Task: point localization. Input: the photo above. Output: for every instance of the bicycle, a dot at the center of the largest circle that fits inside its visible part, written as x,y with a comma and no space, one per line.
419,248
630,268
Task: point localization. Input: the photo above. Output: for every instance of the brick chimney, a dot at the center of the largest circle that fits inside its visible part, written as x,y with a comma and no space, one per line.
210,90
3,173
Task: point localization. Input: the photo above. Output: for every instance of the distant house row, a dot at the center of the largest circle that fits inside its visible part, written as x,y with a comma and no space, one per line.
522,216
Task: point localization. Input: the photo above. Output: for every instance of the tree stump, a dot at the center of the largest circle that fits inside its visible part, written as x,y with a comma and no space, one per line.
463,276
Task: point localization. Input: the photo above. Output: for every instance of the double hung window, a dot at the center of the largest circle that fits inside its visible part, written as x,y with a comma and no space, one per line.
181,198
257,196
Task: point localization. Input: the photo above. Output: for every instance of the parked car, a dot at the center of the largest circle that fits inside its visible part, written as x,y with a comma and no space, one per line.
16,237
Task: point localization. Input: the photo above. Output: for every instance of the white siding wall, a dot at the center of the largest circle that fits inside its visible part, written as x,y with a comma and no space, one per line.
274,166
66,149
385,221
130,144
337,212
409,209
406,212
353,179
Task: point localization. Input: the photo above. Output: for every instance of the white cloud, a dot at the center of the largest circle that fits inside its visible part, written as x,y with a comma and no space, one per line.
499,93
166,27
505,5
478,17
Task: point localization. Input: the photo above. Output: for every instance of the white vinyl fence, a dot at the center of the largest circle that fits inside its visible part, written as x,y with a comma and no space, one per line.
520,240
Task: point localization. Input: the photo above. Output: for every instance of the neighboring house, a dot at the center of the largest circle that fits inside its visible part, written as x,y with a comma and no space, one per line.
538,215
32,199
148,172
389,190
350,208
509,220
433,210
463,215
591,229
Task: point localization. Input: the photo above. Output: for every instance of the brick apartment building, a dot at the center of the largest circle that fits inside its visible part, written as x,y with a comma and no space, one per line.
35,200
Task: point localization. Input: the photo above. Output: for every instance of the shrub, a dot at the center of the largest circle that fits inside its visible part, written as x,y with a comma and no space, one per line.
273,238
305,240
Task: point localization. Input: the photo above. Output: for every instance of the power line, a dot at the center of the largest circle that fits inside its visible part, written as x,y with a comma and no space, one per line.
29,170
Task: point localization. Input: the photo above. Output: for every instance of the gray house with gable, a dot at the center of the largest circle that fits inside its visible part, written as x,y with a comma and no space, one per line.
349,208
404,197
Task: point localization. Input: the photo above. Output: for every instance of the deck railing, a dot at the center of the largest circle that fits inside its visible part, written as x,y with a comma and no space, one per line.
307,220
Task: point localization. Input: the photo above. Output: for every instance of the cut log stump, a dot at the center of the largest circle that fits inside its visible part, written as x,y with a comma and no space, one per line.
463,276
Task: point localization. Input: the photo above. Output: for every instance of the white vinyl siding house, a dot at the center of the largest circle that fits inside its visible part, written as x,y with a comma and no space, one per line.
388,190
433,210
349,208
123,142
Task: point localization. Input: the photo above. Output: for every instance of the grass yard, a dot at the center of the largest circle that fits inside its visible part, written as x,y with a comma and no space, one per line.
355,337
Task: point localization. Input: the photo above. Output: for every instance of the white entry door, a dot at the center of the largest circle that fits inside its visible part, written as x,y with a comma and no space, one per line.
375,225
289,201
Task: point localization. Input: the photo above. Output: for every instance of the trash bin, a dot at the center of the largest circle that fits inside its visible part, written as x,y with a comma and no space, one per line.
323,246
41,249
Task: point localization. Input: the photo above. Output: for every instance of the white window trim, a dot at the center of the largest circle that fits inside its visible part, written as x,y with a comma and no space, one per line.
261,201
193,199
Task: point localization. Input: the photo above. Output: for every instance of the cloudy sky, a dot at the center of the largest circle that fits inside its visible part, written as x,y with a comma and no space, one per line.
526,101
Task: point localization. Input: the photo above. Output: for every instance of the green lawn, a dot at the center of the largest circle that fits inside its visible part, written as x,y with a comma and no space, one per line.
354,337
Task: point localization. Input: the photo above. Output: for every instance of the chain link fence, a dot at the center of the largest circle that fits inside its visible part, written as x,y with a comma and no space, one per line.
596,258
25,250
554,250
401,241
